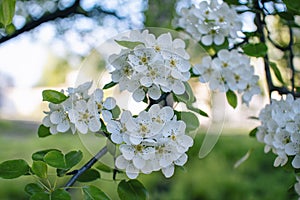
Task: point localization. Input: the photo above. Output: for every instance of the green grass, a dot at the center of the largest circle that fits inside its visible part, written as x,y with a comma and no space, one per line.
213,177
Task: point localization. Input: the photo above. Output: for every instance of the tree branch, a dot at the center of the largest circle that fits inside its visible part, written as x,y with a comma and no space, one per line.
74,9
45,18
87,166
259,22
260,29
285,90
291,57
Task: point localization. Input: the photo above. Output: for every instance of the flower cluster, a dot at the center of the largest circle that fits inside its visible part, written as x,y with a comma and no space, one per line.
80,111
230,70
280,130
154,140
154,65
210,22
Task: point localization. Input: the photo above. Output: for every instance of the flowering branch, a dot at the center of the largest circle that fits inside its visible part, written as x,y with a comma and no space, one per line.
85,167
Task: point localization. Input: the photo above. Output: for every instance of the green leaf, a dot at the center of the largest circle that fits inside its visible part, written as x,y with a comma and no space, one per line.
128,44
188,96
7,11
111,147
231,98
286,15
40,196
55,159
253,132
191,120
109,85
232,2
60,161
189,92
251,34
293,5
43,131
39,168
89,175
53,96
116,112
255,50
61,172
60,194
73,158
93,193
132,190
13,169
33,188
197,110
276,72
181,98
103,167
39,155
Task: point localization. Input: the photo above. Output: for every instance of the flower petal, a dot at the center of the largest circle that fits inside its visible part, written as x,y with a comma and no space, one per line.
138,95
109,103
168,171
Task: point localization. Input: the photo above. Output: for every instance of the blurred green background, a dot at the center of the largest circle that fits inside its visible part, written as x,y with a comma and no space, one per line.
213,177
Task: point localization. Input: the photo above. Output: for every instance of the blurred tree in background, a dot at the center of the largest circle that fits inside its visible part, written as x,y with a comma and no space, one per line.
79,21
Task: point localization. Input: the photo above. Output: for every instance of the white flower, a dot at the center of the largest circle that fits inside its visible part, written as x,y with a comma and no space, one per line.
81,111
160,115
158,64
211,22
142,127
280,130
118,129
251,89
280,160
296,161
230,70
131,171
85,116
205,69
175,131
80,92
57,119
177,65
96,103
137,153
152,141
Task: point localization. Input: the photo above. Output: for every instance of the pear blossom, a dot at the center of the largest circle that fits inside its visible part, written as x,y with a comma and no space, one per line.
152,141
80,111
118,129
230,70
57,119
210,23
85,117
279,130
156,65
